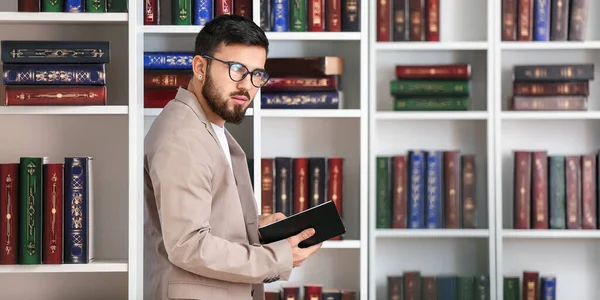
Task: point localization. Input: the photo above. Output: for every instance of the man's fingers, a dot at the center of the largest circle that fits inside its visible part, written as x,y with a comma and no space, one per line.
312,249
305,234
279,216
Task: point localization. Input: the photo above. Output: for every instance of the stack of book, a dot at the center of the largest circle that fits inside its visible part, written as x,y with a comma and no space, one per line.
431,87
532,286
294,291
303,83
55,72
164,73
551,87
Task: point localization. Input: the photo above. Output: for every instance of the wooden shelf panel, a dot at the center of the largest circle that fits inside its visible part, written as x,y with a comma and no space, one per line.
61,17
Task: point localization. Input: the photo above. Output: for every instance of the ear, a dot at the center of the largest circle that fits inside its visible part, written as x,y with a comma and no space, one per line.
199,67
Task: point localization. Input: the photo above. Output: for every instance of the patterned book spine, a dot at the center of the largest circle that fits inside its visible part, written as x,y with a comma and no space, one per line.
53,204
55,52
539,196
522,190
416,189
431,103
243,8
417,20
299,100
482,287
468,193
333,15
312,84
96,6
316,15
509,20
75,6
166,78
151,12
432,20
548,287
283,185
116,5
541,23
30,209
429,287
350,15
267,189
204,11
559,24
181,13
383,189
317,176
28,6
305,66
531,286
59,95
265,19
71,74
434,198
553,72
9,210
412,285
579,20
557,192
280,15
573,190
223,7
298,16
53,5
511,288
300,184
588,191
549,103
400,21
525,20
399,192
168,60
452,215
429,88
551,88
76,219
335,184
457,71
465,287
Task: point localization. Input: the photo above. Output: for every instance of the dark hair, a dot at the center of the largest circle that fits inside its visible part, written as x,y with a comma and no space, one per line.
228,30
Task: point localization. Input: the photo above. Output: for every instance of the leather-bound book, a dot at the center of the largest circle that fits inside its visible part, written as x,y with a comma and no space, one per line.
417,20
243,8
313,292
412,285
9,210
283,185
78,193
53,5
559,20
588,191
531,285
151,12
300,177
383,20
557,192
333,15
452,213
331,294
509,20
335,184
573,191
539,196
30,209
399,192
272,295
522,190
223,7
468,193
395,287
167,78
305,66
348,295
55,95
432,20
351,15
316,15
95,6
578,19
429,288
317,168
53,203
290,292
443,71
525,20
158,98
28,6
267,197
116,5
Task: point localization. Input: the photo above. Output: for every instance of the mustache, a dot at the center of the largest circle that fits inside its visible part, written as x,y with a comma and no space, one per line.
241,93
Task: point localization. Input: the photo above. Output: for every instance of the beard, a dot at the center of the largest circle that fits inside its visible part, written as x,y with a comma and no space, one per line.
219,105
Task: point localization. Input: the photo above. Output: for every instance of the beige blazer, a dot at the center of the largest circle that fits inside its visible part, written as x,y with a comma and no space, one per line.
201,221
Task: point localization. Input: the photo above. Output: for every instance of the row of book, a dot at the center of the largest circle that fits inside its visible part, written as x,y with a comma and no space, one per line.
555,191
551,87
295,82
291,291
426,189
408,20
39,72
533,286
47,211
545,20
431,87
415,285
193,12
290,185
72,6
309,15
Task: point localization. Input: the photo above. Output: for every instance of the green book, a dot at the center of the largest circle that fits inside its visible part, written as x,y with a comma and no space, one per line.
431,103
298,15
181,13
95,6
30,210
557,192
465,288
53,5
116,6
511,288
384,201
429,87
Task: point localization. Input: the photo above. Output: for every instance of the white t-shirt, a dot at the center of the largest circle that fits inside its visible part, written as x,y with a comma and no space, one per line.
220,131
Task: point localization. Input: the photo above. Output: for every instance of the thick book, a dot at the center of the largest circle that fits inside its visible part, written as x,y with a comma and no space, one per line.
323,218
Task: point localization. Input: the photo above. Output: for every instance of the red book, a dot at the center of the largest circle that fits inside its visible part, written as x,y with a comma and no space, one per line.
334,15
52,214
313,292
522,190
399,195
432,20
335,184
453,71
291,292
300,184
29,6
151,12
158,98
383,20
9,225
162,79
267,188
223,7
243,8
55,95
525,20
539,203
588,191
316,15
530,285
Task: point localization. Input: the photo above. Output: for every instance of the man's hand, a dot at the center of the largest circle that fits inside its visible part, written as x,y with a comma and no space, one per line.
301,254
268,219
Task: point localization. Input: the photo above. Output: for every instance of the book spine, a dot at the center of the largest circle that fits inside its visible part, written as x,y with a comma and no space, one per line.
559,11
117,5
59,95
573,190
434,179
399,189
53,5
400,22
203,12
350,15
280,15
573,88
30,210
283,185
243,8
158,98
416,188
74,74
299,100
317,176
588,191
95,6
223,7
76,218
333,15
301,84
469,195
9,210
298,16
525,20
522,190
151,12
166,78
575,72
541,20
28,6
335,185
181,12
54,52
429,88
53,203
416,103
267,188
265,19
451,188
461,71
509,20
316,15
557,192
432,20
578,20
417,20
539,180
300,184
539,103
548,287
75,6
168,60
383,198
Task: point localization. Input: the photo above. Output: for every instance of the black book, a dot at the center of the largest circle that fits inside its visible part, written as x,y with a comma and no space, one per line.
323,218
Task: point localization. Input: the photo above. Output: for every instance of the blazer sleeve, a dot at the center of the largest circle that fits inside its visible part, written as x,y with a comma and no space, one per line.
182,185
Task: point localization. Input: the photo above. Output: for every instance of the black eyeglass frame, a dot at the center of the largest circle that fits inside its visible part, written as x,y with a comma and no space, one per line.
252,74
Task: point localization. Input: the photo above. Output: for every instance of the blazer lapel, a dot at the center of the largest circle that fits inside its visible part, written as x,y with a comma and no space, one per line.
189,99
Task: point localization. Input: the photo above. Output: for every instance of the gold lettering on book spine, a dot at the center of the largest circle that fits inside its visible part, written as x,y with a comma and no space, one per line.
149,11
352,10
540,200
433,16
9,186
58,95
416,181
316,185
53,244
76,210
97,4
317,13
302,196
183,13
31,195
53,2
572,196
284,178
431,182
267,185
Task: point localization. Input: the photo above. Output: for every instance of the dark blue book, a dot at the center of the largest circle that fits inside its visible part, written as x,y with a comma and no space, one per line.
416,189
77,195
203,12
541,20
168,60
54,52
548,287
75,6
301,100
281,15
57,74
434,180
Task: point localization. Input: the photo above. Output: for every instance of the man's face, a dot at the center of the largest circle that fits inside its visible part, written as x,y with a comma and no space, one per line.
227,98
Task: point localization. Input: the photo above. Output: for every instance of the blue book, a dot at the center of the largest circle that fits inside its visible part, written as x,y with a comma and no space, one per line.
548,287
434,189
281,15
54,74
203,12
446,287
168,60
301,100
541,20
416,189
75,5
77,194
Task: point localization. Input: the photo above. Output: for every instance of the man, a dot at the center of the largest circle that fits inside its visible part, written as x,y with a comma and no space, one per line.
201,219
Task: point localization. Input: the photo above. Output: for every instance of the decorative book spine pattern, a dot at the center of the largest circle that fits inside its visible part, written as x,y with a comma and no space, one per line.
509,20
305,100
30,210
588,192
181,13
298,15
452,189
434,179
316,15
335,181
525,20
204,12
168,60
400,21
469,188
283,185
432,20
541,25
151,12
280,15
53,203
522,190
265,19
53,5
223,7
28,74
95,6
55,95
416,188
54,52
333,16
76,219
301,184
417,20
9,210
350,15
267,189
75,6
573,191
399,191
539,208
559,20
317,175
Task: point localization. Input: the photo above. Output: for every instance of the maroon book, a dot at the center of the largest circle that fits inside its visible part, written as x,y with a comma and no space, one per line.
9,204
52,211
55,95
300,187
335,184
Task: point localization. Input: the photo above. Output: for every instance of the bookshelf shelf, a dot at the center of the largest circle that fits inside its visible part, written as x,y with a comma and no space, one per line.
436,46
462,115
310,113
64,110
551,45
343,244
432,233
153,112
558,115
171,29
314,36
550,234
92,267
62,18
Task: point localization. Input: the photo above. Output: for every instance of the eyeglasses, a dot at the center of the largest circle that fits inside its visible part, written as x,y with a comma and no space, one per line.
237,72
